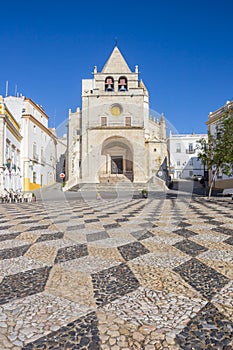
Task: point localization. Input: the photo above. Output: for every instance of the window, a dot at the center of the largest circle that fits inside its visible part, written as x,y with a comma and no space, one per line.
35,155
42,155
218,132
178,162
17,158
109,84
103,121
7,151
178,148
34,177
13,160
127,121
122,84
190,173
34,149
190,147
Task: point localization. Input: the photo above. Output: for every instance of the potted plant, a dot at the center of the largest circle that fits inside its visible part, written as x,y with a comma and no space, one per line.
144,193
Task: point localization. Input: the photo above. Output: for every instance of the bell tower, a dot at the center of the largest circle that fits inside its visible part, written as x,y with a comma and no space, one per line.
115,129
115,119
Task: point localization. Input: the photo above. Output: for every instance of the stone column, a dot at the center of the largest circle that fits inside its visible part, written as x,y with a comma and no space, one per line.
124,164
108,164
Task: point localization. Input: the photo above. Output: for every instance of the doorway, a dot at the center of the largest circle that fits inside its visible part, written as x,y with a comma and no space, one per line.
116,164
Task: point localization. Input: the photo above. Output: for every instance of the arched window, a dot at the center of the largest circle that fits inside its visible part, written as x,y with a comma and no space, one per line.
109,84
122,84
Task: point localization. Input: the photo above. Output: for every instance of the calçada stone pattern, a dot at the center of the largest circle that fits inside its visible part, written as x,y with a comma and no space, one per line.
139,274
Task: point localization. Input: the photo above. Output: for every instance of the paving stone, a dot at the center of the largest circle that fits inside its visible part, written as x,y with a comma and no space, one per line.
204,279
112,283
224,230
132,250
185,233
209,329
229,240
72,252
117,275
190,248
97,236
23,284
14,252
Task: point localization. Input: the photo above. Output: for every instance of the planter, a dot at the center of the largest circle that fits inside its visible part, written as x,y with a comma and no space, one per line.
144,194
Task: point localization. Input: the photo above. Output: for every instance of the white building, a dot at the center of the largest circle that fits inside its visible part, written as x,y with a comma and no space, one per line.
10,140
183,155
38,146
222,180
113,138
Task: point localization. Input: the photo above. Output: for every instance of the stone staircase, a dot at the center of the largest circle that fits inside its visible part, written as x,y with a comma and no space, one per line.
114,179
156,185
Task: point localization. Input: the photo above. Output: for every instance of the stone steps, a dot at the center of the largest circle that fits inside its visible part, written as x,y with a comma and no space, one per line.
119,186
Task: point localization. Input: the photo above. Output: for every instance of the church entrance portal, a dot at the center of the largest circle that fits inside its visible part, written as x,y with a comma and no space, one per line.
117,163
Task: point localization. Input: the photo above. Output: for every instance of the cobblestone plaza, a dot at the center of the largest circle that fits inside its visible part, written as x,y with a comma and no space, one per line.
142,274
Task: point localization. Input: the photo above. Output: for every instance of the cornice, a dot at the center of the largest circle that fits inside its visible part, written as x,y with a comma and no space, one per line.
40,125
11,127
37,107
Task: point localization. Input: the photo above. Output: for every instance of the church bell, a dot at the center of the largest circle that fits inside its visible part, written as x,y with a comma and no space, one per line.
109,87
122,88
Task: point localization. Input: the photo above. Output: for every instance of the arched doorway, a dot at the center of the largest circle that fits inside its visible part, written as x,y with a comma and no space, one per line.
118,153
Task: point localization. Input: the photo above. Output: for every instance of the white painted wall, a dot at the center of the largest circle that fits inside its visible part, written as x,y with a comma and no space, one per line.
38,147
185,163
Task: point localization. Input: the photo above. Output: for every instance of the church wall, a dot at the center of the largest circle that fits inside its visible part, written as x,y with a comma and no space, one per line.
157,152
95,108
91,162
73,143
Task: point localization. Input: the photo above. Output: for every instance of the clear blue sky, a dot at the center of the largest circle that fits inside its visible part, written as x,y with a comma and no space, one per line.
184,49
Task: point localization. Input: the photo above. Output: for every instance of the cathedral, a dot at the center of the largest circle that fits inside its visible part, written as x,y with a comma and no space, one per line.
113,137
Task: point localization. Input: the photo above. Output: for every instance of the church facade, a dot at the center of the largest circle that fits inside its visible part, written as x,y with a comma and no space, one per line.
113,138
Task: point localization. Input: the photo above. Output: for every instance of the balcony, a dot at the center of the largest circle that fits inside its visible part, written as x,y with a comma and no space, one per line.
190,151
118,124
